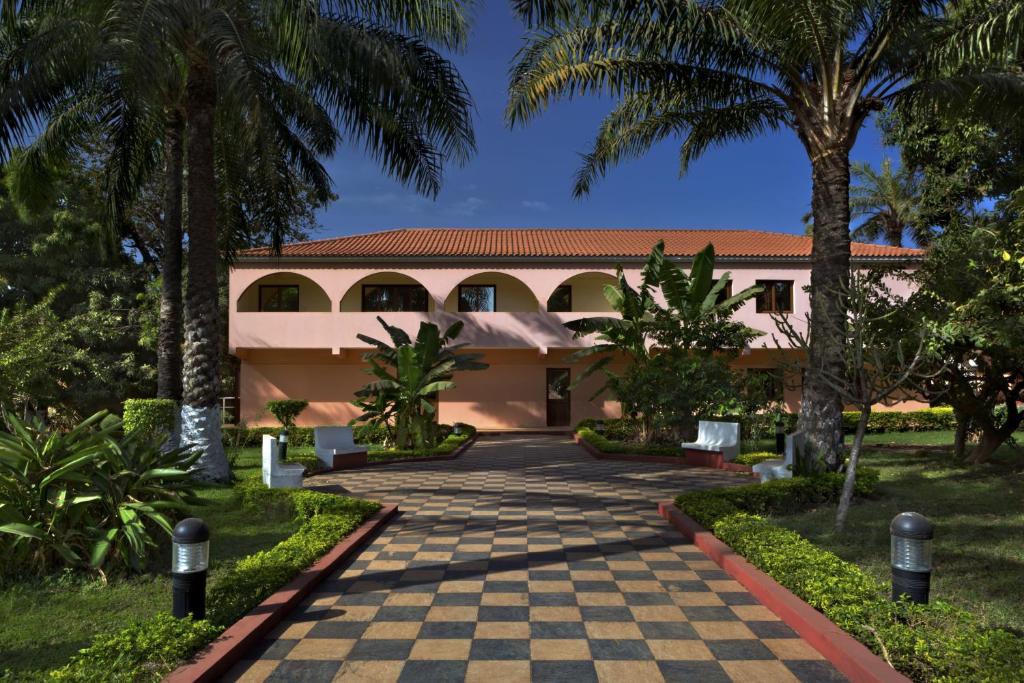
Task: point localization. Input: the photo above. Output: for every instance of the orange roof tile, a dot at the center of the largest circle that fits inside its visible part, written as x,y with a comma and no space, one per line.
567,243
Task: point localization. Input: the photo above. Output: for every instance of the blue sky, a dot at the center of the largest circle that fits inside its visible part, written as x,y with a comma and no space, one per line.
523,177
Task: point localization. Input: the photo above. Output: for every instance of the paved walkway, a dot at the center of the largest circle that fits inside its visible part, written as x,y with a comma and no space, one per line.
526,559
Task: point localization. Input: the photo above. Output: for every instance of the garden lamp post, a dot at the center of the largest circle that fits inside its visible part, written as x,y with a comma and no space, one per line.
457,428
599,427
190,558
282,444
780,436
912,535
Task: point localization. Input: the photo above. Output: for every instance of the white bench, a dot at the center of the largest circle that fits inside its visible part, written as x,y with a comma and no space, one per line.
721,437
276,474
336,447
781,468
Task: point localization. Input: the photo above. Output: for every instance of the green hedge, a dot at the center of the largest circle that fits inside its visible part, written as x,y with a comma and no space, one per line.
606,445
775,497
148,650
755,458
446,447
151,415
252,437
934,642
927,420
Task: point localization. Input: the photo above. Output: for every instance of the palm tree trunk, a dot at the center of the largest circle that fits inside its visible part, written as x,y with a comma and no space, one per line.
168,346
821,411
200,412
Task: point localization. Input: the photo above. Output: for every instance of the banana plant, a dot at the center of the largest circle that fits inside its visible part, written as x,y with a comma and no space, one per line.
409,375
696,319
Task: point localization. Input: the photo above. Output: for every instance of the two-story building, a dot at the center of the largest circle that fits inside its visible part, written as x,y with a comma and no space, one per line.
294,318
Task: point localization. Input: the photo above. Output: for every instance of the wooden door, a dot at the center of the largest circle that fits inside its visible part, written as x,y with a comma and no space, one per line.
558,397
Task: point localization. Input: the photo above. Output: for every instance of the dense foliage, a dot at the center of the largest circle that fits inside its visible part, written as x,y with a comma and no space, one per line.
409,375
934,642
148,650
971,298
676,355
150,415
86,498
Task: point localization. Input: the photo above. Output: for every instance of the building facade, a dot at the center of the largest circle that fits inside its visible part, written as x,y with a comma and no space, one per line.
294,317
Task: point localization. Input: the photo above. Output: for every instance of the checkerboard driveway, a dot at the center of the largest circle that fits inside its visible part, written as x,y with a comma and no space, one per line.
528,560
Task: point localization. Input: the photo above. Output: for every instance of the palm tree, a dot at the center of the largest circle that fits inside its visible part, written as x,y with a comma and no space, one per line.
889,201
713,71
368,67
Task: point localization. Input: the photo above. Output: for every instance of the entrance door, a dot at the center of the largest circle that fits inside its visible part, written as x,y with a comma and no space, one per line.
559,411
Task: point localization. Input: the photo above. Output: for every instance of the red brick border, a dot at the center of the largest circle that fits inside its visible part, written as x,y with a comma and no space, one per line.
214,661
690,458
847,654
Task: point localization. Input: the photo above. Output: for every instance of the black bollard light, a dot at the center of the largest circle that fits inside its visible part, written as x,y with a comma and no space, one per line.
912,535
780,436
457,429
599,427
282,444
190,558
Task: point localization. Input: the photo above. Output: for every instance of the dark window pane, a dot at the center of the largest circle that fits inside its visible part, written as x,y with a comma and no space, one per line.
725,293
389,298
561,299
476,298
279,298
777,296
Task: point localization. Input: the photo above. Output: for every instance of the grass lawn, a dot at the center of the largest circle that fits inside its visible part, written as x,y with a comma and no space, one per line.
940,438
978,513
42,624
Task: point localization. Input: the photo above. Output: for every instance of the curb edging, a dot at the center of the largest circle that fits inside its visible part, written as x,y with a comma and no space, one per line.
215,659
846,653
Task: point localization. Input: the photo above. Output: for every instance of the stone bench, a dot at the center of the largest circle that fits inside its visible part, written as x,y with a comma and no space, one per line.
277,474
336,448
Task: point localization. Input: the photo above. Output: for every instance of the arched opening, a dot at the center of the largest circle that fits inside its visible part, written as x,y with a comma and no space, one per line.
284,293
386,292
583,293
490,293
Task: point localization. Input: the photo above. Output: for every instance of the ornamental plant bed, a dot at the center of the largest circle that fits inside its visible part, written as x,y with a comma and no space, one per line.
929,642
149,648
596,445
449,449
232,644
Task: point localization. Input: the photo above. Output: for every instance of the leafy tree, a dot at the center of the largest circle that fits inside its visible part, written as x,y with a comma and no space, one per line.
886,356
74,317
409,376
888,201
666,345
713,71
971,296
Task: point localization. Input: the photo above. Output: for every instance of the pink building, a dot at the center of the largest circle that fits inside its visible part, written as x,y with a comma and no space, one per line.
294,318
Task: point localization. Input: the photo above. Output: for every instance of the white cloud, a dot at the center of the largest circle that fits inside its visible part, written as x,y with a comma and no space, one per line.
466,207
535,205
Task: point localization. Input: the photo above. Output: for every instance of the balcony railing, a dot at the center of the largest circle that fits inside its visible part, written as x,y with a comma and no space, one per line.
337,330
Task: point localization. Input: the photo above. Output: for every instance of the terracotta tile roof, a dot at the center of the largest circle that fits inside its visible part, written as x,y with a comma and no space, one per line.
557,242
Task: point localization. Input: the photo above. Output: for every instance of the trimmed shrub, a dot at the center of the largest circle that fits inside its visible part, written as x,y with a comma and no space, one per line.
775,497
286,410
933,642
606,445
926,420
252,437
148,650
446,447
755,458
150,415
140,651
